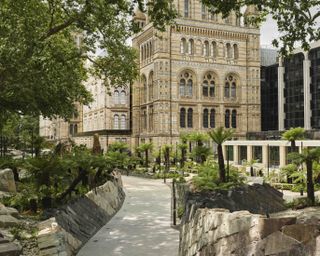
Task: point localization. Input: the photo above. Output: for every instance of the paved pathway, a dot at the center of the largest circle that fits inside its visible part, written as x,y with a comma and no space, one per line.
141,227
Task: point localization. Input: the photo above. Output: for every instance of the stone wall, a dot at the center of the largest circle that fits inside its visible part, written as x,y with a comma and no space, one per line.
221,233
75,223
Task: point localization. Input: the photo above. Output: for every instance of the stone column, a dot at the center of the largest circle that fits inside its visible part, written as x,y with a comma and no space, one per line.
306,90
283,157
224,149
249,153
281,99
265,155
236,154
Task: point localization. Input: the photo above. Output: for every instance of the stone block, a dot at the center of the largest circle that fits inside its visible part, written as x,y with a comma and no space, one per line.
278,243
9,249
301,232
9,211
7,183
8,221
271,225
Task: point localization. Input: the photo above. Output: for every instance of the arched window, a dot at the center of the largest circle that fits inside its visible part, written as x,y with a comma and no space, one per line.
191,47
230,89
229,51
205,118
182,87
190,118
116,97
227,90
147,51
183,46
206,48
233,90
212,118
144,89
235,51
186,8
75,129
123,122
205,91
71,131
208,85
142,53
186,84
151,86
183,118
116,122
227,119
123,97
234,119
214,50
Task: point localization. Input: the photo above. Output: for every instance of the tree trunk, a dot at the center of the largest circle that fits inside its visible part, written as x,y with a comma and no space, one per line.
75,182
222,171
310,187
293,146
147,159
251,171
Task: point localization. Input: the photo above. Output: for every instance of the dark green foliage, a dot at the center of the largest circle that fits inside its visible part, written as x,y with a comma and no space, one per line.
208,178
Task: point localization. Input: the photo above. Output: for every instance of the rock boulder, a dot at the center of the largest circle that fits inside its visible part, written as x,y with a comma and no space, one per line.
7,183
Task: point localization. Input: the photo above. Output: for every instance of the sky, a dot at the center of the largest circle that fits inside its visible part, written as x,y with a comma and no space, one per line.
269,32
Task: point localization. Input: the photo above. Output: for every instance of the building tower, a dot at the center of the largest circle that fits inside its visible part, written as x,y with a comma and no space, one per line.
202,73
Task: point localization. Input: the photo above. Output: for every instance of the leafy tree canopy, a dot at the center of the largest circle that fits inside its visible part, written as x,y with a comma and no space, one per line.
297,20
42,69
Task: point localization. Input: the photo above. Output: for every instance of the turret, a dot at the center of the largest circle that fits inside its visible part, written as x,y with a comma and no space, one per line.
140,18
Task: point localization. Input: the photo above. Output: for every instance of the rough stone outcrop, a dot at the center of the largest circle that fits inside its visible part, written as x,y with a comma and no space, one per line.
7,183
256,198
75,223
220,232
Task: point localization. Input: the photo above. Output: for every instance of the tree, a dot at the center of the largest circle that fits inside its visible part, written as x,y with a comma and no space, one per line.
200,151
296,20
45,46
292,135
251,164
307,157
219,136
146,148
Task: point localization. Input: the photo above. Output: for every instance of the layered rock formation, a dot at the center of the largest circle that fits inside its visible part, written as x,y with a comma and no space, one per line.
75,223
221,233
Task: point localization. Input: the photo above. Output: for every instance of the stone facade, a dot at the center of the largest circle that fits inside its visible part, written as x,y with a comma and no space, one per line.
204,72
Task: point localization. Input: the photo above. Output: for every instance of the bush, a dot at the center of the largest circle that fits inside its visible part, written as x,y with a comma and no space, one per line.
208,178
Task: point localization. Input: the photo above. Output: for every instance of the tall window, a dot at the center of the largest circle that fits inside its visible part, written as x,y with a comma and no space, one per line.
183,118
208,85
214,50
186,84
186,8
212,118
235,51
116,122
206,48
205,118
234,119
116,97
123,98
144,89
123,122
145,120
229,51
151,86
227,119
191,47
183,46
190,118
230,89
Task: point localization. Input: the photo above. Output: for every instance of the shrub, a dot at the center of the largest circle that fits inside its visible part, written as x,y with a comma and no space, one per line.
208,178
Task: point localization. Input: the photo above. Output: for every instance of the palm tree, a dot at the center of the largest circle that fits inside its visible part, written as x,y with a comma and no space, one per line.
251,164
219,136
292,135
200,151
146,147
307,157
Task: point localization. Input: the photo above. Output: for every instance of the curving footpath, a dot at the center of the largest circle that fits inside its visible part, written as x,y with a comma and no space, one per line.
141,227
